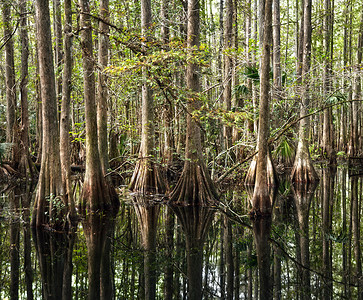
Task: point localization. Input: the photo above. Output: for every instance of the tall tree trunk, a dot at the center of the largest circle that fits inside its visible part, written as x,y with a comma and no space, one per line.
58,51
276,50
354,149
195,185
97,194
227,70
26,166
49,192
11,128
303,169
356,236
146,177
261,198
65,110
328,127
102,92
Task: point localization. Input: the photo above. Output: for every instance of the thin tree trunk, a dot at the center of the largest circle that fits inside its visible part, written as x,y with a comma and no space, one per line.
65,109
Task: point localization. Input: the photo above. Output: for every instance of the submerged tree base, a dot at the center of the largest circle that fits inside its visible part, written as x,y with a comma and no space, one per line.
98,196
147,178
194,187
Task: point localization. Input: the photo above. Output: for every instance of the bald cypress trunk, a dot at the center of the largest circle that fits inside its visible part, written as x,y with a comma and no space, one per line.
48,203
146,177
102,92
97,194
303,169
195,185
261,200
11,128
65,109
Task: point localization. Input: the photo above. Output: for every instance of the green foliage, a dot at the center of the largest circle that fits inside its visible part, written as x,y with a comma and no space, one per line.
4,150
252,73
285,150
240,90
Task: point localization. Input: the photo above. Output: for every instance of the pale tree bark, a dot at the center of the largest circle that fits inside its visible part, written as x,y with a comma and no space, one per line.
97,194
303,169
195,185
146,177
65,109
48,203
102,92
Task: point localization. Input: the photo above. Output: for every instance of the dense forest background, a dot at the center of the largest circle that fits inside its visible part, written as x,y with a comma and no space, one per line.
114,88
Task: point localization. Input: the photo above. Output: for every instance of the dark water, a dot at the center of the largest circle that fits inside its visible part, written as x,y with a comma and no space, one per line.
309,249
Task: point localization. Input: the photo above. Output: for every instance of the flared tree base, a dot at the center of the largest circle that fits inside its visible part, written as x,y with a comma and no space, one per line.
194,187
147,179
272,179
98,196
303,171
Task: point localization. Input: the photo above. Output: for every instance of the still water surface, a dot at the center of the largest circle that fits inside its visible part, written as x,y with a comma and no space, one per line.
309,249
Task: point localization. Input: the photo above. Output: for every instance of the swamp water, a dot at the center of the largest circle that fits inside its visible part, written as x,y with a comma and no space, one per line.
309,249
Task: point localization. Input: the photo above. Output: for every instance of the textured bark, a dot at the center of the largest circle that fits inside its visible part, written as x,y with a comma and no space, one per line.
227,70
65,110
276,50
327,145
356,236
11,128
303,169
195,185
261,199
26,166
97,194
146,178
102,92
49,191
58,51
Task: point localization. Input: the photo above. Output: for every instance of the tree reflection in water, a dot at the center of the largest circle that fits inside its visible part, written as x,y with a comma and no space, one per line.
195,222
310,248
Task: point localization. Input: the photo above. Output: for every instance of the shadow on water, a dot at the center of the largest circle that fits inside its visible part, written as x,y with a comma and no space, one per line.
309,248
